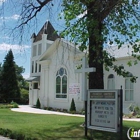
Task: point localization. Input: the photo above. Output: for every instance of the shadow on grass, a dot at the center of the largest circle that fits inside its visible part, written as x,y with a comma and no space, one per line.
102,135
73,131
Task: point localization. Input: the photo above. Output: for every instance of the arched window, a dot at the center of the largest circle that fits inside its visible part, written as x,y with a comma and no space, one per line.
61,83
111,82
129,88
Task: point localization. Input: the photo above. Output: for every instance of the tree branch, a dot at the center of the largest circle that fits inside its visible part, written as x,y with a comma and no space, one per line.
109,7
30,11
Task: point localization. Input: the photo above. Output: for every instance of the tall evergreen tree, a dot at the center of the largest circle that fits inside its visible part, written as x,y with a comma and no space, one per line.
9,83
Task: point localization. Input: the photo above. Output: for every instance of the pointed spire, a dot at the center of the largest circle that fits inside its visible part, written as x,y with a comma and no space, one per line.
49,30
45,27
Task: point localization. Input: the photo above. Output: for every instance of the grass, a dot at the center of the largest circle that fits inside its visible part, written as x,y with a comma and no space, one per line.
43,127
54,127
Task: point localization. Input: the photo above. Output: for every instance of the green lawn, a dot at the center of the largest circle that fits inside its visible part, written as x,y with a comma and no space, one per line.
53,127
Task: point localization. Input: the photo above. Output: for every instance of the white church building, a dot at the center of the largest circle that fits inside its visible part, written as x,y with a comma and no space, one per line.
53,78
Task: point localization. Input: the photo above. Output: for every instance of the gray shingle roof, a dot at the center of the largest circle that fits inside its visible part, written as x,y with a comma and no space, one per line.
49,30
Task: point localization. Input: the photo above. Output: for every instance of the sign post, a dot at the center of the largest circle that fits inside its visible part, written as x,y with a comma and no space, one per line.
103,110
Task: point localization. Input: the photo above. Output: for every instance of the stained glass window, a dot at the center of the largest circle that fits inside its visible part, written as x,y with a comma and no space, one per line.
61,83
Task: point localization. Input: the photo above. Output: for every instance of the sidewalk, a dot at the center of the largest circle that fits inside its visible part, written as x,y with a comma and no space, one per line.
29,109
4,138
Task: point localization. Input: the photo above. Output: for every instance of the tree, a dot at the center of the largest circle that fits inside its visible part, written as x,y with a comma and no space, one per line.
21,81
23,85
103,22
9,84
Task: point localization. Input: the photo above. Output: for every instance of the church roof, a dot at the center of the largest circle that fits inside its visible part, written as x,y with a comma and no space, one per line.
125,51
49,30
57,43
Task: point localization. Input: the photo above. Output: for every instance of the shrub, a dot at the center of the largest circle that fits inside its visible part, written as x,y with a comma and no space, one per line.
38,105
14,104
134,108
72,107
14,135
137,116
130,115
137,110
131,108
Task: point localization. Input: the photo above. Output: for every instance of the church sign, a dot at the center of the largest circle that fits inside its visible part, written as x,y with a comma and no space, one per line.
103,110
74,88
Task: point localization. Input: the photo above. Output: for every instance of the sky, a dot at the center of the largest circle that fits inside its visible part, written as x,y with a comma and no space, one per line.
11,39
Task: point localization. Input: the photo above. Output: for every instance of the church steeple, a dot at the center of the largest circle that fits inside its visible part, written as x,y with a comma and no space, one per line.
45,28
49,30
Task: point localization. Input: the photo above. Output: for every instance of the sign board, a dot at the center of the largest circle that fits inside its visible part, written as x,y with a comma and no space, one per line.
103,110
74,88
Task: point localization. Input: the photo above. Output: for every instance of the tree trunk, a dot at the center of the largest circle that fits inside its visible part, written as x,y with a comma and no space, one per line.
96,79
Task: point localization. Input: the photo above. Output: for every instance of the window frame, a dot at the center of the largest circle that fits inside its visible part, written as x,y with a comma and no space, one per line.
129,90
34,50
40,49
35,85
111,77
62,86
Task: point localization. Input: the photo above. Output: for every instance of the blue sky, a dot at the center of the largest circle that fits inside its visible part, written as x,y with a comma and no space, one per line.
9,17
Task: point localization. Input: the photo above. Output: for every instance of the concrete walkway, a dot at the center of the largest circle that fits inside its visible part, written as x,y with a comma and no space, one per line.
29,109
4,138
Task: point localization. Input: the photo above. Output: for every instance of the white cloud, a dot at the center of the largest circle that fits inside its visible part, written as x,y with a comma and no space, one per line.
13,17
2,1
15,47
26,75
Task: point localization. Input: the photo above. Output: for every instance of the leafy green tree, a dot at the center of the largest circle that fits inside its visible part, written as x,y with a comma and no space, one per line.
103,22
21,81
9,84
23,85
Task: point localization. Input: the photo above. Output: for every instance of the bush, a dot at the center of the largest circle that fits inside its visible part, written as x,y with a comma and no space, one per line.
14,135
137,116
38,105
137,110
131,108
14,104
72,107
